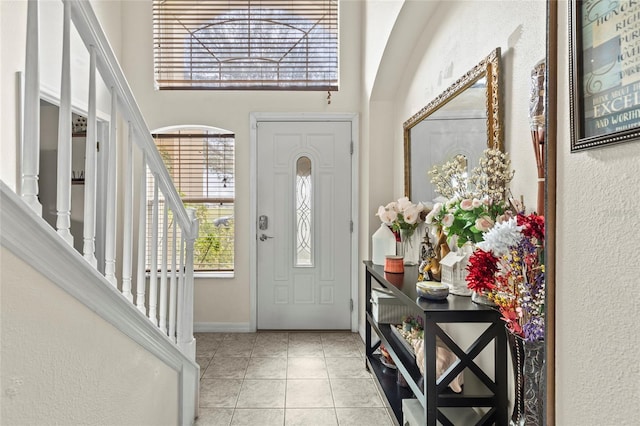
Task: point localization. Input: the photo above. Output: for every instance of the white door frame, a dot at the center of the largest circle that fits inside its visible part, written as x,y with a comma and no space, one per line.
254,118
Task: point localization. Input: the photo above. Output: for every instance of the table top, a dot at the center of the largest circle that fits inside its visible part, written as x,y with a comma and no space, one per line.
403,286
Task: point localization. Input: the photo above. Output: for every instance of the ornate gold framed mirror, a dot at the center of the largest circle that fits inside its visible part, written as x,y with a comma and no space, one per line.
464,119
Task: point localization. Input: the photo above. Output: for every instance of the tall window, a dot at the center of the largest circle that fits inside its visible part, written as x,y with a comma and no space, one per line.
303,212
201,164
246,44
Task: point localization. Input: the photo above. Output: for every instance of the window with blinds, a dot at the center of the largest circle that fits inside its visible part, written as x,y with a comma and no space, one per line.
246,44
201,164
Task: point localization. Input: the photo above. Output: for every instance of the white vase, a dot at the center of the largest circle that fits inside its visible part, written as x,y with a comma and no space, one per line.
383,243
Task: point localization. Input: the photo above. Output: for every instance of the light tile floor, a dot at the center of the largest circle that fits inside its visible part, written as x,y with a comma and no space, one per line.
280,378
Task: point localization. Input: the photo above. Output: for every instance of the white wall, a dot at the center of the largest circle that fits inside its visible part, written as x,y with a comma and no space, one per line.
227,300
63,364
598,270
13,21
456,38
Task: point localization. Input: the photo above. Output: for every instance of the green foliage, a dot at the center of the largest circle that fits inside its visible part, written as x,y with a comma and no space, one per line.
214,247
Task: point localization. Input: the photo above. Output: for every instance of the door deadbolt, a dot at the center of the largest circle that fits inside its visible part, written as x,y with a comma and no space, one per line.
263,222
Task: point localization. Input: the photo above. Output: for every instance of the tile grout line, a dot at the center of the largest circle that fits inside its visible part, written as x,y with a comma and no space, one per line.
325,342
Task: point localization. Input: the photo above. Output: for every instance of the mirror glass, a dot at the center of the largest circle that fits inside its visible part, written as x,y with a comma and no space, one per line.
464,120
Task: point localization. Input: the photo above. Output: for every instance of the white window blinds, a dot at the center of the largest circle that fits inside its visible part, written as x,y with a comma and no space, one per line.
201,165
246,44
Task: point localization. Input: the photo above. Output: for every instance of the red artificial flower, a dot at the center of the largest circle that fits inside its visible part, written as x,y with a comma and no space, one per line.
533,226
510,317
482,268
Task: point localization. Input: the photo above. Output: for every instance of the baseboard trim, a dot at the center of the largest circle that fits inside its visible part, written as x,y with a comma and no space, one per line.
221,327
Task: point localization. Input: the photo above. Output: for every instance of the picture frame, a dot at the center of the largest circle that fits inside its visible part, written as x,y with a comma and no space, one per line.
604,72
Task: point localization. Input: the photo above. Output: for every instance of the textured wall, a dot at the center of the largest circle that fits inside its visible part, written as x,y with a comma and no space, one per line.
457,37
598,277
62,364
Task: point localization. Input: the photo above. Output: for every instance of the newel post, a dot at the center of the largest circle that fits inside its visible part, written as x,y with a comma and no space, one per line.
187,342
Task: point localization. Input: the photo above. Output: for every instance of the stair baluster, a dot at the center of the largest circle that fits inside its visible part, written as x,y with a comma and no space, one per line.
31,115
142,239
112,200
162,314
153,279
89,234
63,196
173,284
127,238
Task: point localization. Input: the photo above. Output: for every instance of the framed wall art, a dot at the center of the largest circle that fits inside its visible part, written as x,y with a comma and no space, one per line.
605,72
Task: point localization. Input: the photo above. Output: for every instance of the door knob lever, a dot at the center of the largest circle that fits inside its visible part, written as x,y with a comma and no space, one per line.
264,237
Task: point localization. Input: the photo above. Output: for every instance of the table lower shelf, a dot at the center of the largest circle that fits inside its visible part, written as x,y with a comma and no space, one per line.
386,379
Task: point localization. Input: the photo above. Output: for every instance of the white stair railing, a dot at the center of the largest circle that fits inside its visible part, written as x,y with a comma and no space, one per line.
176,295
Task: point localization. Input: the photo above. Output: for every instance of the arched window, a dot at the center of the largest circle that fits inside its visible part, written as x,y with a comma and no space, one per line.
201,163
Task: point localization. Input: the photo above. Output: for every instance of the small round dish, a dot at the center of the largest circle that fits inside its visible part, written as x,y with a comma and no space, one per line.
432,290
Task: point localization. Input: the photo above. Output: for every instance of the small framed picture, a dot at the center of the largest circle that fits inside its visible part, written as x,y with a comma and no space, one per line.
605,72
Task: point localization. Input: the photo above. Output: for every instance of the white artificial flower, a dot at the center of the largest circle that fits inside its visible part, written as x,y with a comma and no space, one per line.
476,203
436,209
429,219
484,223
411,215
451,202
386,216
390,216
466,204
447,220
404,204
501,237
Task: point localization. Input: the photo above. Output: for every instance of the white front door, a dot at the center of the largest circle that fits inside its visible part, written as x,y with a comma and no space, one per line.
304,225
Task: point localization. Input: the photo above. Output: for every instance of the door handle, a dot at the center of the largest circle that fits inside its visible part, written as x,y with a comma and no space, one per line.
264,237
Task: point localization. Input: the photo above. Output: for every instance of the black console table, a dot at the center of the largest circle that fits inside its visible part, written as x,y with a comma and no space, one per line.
483,400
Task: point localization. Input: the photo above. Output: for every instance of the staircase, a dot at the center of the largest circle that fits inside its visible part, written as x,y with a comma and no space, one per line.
146,293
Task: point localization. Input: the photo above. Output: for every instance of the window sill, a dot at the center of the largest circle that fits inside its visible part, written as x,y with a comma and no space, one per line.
217,275
204,275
